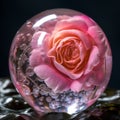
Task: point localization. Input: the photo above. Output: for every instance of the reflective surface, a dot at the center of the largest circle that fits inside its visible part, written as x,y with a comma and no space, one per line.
13,107
60,61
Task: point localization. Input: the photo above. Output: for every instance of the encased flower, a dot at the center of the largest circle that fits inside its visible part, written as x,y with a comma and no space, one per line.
73,53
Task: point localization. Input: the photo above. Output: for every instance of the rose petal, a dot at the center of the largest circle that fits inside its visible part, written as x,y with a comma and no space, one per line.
108,67
58,45
71,33
93,59
89,84
69,73
35,57
76,86
99,37
87,20
71,23
38,39
52,78
99,73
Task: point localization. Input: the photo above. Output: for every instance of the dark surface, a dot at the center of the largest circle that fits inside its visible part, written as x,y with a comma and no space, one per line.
15,12
13,107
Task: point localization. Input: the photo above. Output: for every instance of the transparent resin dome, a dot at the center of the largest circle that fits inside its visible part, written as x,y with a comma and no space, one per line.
60,61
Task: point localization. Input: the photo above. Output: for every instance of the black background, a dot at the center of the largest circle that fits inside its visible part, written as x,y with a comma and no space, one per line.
106,13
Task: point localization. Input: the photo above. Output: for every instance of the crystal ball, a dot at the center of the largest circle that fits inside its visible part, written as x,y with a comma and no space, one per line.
60,61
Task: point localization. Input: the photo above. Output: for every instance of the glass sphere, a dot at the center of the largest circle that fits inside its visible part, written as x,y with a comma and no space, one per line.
60,61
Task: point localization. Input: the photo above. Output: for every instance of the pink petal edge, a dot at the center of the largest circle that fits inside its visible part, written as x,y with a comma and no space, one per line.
52,78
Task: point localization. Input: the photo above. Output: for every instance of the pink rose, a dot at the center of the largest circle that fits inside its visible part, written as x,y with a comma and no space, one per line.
73,56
